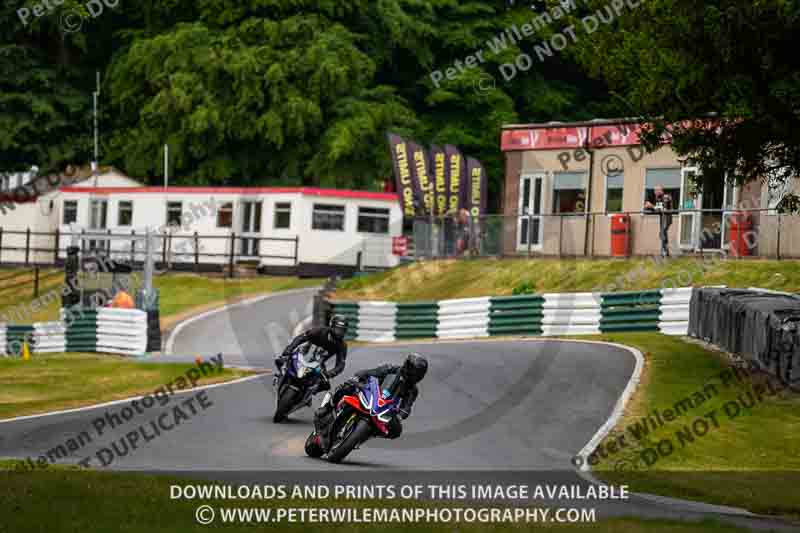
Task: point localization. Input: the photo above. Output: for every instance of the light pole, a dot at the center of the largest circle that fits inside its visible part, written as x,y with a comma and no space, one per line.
95,96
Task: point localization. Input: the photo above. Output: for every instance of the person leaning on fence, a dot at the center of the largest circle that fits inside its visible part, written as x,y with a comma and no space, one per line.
663,207
464,232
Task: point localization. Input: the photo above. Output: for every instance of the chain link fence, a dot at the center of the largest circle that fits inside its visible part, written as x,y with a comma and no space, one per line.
760,233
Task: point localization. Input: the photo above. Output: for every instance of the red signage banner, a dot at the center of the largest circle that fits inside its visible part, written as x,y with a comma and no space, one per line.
571,137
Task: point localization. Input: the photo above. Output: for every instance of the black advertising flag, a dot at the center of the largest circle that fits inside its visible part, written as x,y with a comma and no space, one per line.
477,187
424,182
409,198
457,171
441,180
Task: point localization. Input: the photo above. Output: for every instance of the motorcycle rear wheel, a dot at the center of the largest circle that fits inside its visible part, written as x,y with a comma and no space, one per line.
358,434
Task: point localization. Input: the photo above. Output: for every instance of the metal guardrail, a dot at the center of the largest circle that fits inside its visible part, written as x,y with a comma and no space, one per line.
57,243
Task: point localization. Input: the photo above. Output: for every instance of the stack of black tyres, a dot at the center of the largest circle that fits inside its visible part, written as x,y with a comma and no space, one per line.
152,307
762,327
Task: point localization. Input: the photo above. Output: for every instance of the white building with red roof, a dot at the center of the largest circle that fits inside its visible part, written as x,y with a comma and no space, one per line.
305,230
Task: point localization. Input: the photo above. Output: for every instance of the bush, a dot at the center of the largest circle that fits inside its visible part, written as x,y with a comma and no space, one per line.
526,287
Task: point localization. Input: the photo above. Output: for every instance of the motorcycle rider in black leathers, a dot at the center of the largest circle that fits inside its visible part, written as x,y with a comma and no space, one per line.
399,381
329,339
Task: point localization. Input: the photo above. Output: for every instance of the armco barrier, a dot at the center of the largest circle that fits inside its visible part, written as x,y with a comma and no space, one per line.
417,320
16,337
120,331
516,315
665,311
102,330
49,337
465,318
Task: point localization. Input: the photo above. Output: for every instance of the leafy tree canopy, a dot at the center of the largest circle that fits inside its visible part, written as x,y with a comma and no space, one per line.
720,77
271,91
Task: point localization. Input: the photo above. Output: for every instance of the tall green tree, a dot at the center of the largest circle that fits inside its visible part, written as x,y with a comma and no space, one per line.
271,91
720,78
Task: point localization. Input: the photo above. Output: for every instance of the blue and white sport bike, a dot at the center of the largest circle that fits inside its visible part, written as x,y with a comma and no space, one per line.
299,381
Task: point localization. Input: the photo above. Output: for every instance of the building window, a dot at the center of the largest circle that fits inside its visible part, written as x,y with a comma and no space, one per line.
125,213
373,220
225,215
668,178
283,215
614,187
569,192
174,213
328,217
70,212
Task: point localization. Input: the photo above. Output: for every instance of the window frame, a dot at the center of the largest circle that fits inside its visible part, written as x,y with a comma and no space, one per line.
281,208
337,207
554,193
180,216
387,217
220,210
119,213
64,212
606,189
675,202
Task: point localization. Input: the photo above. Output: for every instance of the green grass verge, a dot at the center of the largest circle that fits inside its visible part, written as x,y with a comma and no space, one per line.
62,500
749,460
436,280
179,293
52,382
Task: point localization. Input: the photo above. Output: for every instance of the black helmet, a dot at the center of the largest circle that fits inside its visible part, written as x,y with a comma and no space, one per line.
415,367
338,325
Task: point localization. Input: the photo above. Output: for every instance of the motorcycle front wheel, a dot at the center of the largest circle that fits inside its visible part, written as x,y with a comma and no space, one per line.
356,432
286,401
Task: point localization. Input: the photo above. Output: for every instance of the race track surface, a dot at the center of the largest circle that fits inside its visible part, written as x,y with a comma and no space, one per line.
509,407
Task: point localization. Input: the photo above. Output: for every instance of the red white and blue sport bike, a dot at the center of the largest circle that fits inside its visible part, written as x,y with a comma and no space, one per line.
357,418
298,382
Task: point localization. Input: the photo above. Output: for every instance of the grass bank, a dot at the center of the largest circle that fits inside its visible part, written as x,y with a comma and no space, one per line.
101,501
436,280
730,440
180,293
53,382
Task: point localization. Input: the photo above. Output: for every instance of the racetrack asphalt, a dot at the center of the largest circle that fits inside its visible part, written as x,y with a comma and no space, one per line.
501,410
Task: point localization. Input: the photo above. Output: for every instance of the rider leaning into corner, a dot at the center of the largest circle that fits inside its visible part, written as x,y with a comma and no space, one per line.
397,381
329,339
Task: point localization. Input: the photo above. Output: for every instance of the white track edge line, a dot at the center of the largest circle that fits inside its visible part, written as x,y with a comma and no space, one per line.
177,329
127,400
